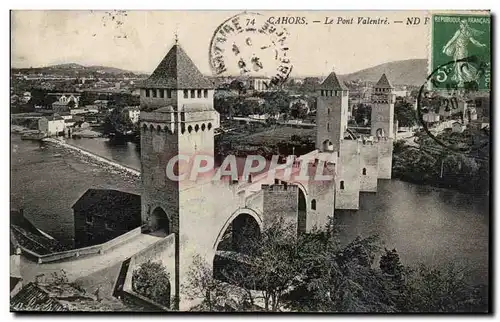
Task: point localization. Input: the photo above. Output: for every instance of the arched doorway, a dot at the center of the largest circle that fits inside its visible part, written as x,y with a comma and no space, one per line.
159,222
380,133
302,214
327,145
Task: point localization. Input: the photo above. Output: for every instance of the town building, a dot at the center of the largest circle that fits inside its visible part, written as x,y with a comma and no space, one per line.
51,125
431,117
259,84
66,98
101,215
133,113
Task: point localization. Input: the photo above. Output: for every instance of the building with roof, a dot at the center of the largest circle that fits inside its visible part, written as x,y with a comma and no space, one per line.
65,98
51,125
383,108
103,214
132,112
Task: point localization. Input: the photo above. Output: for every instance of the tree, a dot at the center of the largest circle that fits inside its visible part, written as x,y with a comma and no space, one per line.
314,272
202,284
441,290
270,264
298,110
151,280
405,114
362,114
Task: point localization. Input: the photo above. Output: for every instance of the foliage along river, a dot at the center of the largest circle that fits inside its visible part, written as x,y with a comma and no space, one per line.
425,224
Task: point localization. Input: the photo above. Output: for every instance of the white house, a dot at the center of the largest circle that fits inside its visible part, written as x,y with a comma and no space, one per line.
51,125
431,117
133,113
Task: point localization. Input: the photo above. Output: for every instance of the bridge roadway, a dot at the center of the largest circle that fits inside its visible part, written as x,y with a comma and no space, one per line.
83,266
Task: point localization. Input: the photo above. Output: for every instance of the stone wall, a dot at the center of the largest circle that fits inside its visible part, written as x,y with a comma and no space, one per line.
368,167
385,158
280,201
347,181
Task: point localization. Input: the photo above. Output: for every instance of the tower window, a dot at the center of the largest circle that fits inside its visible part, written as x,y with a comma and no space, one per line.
322,93
147,92
154,92
328,127
190,129
193,93
162,93
185,93
205,93
342,185
169,93
199,93
209,126
364,171
313,204
344,93
328,111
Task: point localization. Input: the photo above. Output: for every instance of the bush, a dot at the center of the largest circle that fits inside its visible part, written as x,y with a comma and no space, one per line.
152,281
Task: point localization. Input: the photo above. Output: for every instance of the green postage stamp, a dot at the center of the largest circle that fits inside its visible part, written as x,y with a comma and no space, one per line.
460,52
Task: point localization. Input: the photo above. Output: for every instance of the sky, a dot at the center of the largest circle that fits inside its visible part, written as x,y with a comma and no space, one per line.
42,38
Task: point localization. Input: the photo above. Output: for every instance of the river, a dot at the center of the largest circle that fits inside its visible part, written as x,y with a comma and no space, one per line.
425,224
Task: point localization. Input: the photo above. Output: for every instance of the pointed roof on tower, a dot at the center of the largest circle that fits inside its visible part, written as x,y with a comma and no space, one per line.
383,82
177,71
332,83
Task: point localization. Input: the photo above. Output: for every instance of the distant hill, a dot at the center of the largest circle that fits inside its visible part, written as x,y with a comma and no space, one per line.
402,72
72,69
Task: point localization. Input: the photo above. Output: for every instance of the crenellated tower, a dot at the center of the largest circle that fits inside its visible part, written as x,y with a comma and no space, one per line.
382,127
382,117
177,121
177,118
331,114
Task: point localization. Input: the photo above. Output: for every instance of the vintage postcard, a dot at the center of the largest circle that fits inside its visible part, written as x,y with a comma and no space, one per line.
250,161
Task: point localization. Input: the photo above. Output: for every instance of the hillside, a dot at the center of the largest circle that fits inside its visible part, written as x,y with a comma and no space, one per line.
72,69
403,72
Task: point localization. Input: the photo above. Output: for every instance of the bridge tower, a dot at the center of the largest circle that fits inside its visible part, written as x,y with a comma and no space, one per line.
177,119
382,124
331,114
382,117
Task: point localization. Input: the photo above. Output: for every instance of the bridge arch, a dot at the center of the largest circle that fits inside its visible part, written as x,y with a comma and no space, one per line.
248,212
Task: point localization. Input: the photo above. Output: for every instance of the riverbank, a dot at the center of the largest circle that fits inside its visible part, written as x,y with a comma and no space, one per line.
47,179
432,165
